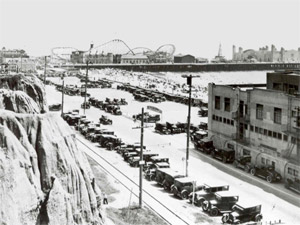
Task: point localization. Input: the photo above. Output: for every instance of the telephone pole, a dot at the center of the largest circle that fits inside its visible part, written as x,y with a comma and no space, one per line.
141,163
86,78
189,83
62,95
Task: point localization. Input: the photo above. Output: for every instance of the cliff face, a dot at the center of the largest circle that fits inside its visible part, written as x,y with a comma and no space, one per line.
44,177
27,89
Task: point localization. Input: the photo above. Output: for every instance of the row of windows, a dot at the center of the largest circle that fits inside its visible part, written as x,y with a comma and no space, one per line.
223,119
293,172
226,103
267,162
260,111
268,133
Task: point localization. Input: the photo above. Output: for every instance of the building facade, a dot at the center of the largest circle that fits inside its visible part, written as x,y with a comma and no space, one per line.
184,59
263,123
265,54
77,57
134,59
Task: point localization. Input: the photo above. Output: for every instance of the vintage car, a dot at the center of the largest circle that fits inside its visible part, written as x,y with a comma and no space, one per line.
205,145
112,142
226,154
55,107
161,128
243,212
166,177
203,111
293,185
182,187
87,105
222,202
147,117
203,125
150,173
243,162
198,135
267,173
123,101
173,128
105,120
206,193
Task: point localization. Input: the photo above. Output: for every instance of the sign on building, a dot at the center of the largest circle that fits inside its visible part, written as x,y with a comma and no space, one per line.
154,109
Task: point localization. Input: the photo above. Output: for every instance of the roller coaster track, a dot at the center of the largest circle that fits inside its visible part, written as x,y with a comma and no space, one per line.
109,168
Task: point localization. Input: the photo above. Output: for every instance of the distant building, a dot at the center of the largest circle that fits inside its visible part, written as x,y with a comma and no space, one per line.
77,57
134,59
100,58
184,59
263,123
265,54
117,58
6,55
201,60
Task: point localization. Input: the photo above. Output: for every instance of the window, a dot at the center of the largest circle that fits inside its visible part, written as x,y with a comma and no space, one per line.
217,118
232,123
256,129
228,121
274,134
277,86
230,146
285,137
246,109
220,119
277,115
213,117
246,126
261,131
251,128
279,136
266,132
263,161
259,111
227,104
217,102
224,120
269,133
293,172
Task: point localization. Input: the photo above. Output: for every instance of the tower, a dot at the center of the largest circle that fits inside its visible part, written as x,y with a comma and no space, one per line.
220,50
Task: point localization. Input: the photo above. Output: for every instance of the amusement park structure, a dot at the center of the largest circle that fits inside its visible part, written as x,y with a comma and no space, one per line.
108,51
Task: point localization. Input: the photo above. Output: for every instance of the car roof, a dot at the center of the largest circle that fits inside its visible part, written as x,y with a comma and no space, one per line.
215,183
162,164
185,179
201,132
158,157
226,193
245,203
108,135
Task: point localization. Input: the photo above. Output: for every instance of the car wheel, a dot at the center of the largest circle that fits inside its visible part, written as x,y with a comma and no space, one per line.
225,218
214,212
184,194
205,205
258,218
269,179
252,171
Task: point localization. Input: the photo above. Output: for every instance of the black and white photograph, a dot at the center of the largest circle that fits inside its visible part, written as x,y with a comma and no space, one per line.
149,112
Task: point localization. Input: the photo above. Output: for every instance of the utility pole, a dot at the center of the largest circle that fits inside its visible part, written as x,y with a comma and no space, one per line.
62,95
45,70
141,161
298,131
189,82
86,78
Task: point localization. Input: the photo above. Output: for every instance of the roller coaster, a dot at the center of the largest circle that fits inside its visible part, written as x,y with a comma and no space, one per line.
116,47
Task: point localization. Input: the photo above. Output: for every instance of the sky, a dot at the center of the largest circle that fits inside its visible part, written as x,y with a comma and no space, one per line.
195,27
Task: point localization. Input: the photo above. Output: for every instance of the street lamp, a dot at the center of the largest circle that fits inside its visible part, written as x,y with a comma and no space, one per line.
189,83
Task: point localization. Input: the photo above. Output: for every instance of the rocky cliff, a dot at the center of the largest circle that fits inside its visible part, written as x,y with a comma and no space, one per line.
44,177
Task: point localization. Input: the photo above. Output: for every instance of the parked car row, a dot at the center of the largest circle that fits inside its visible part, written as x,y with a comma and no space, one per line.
214,198
177,128
110,106
227,155
142,94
